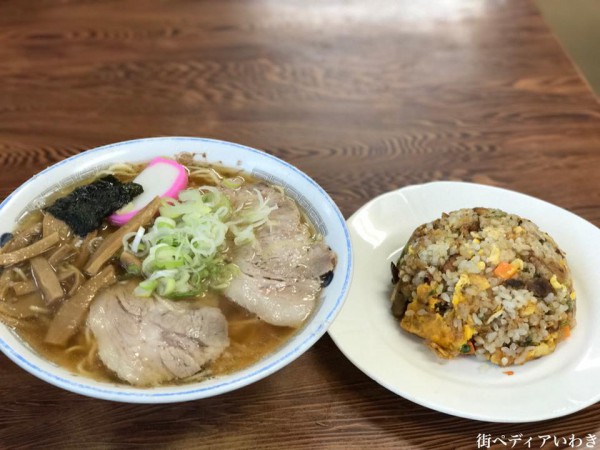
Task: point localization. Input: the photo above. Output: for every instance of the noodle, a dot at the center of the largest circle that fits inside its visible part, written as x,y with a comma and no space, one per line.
120,169
80,369
82,347
16,323
20,273
90,356
204,175
75,348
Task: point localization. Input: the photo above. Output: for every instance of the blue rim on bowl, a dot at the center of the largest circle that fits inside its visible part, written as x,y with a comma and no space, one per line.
321,209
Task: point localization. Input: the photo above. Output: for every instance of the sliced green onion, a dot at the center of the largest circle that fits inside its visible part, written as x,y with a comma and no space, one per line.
165,222
133,269
145,288
185,247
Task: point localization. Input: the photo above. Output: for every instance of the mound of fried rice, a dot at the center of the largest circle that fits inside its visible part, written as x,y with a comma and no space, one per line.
484,282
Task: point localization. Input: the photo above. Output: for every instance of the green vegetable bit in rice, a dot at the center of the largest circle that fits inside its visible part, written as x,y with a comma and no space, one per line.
481,281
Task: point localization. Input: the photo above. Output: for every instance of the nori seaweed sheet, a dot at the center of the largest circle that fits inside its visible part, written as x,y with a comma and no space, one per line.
87,206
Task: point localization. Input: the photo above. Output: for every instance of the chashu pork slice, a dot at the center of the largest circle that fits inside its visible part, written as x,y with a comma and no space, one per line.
148,341
282,272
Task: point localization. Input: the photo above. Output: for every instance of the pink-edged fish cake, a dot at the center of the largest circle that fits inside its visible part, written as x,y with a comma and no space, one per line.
162,177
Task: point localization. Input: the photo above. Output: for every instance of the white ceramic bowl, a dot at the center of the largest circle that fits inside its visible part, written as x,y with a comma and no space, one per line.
315,201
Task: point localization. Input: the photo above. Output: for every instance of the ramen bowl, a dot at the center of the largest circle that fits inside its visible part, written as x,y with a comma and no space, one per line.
316,204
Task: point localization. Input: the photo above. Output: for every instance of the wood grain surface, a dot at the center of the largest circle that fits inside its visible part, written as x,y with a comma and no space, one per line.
363,96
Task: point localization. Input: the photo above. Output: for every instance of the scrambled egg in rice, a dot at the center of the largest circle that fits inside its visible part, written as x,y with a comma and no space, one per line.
484,282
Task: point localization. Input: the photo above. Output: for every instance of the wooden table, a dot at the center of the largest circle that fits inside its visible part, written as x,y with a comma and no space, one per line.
363,96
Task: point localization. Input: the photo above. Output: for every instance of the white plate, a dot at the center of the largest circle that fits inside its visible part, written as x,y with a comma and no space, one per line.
367,333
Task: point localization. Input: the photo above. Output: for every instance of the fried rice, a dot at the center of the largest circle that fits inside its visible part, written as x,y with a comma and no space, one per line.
484,282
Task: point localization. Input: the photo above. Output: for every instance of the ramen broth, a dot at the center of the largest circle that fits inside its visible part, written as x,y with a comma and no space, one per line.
250,338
